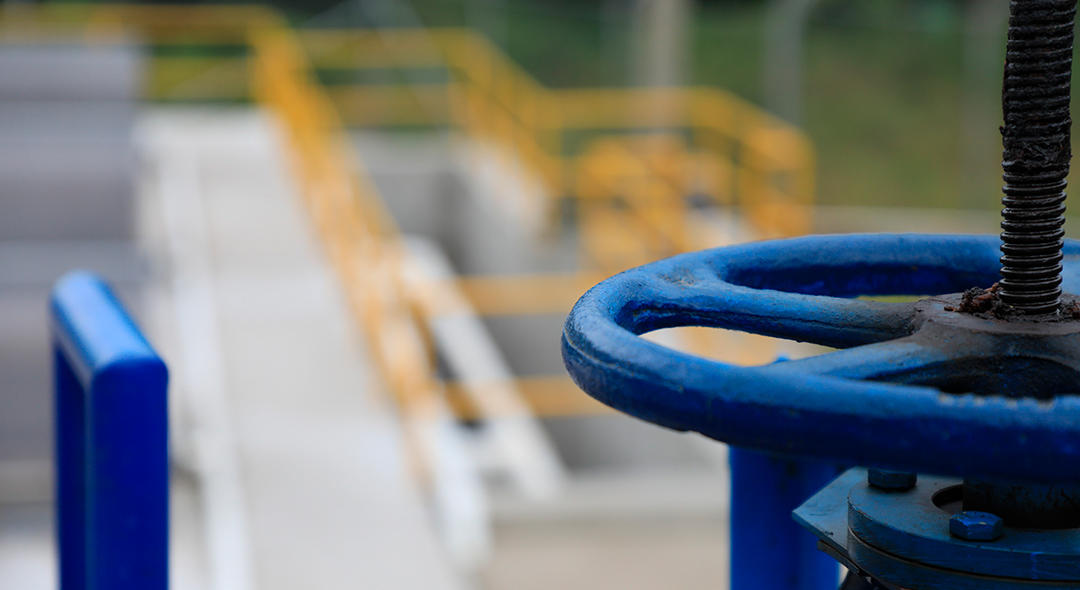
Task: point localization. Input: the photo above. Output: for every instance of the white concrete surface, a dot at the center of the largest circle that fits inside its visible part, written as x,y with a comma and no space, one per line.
325,490
27,560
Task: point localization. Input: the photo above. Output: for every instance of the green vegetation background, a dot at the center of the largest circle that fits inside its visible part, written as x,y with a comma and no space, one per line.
883,94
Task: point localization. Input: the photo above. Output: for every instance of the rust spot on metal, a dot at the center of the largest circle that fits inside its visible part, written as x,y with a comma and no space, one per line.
978,301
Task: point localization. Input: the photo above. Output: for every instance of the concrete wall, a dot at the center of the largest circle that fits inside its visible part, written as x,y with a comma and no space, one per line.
428,185
66,160
67,182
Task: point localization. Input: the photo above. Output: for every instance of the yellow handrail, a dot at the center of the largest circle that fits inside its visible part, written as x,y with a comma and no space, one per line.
733,152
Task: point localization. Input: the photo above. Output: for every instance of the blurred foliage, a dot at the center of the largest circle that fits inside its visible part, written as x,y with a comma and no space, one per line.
882,96
883,103
883,92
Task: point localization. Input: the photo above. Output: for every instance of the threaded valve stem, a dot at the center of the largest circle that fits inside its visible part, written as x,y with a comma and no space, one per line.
1037,150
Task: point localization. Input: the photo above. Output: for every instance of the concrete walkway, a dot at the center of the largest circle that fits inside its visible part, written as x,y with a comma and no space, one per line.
278,416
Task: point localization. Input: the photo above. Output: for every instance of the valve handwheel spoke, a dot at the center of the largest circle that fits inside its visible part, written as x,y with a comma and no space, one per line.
700,297
894,361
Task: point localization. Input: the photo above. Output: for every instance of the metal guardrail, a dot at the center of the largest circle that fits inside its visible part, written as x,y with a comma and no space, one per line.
726,150
112,462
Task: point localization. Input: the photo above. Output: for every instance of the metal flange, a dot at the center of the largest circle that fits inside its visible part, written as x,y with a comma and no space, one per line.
902,538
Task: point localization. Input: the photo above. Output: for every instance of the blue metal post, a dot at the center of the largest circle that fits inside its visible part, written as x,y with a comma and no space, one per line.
70,474
112,467
769,550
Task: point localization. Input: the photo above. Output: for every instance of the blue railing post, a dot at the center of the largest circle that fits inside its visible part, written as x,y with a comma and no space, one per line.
112,470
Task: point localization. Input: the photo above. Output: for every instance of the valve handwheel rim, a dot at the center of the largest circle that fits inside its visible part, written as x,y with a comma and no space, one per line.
878,401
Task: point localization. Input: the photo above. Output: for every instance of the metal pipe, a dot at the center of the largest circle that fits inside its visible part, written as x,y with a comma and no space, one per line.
769,550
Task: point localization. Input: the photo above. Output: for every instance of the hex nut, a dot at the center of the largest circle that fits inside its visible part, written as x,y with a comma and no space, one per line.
891,480
976,526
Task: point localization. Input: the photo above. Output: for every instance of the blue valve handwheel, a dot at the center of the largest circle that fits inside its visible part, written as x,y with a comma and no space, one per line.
857,405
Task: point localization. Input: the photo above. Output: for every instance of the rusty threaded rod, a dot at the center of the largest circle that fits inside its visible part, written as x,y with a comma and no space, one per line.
1036,138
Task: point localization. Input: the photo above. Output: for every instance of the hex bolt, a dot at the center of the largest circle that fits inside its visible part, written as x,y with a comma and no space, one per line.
1036,137
976,526
891,480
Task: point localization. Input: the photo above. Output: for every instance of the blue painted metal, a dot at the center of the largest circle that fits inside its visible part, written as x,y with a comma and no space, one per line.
768,549
904,536
919,576
111,443
972,525
827,408
912,526
825,515
891,480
